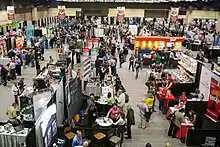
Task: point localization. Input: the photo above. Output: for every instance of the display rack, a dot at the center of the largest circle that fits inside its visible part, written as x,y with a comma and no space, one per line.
186,69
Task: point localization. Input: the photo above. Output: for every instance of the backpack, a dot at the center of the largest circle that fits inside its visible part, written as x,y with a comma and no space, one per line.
130,117
126,98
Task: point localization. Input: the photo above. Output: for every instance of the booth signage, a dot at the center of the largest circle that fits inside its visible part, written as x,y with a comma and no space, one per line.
121,13
11,12
174,12
213,107
61,12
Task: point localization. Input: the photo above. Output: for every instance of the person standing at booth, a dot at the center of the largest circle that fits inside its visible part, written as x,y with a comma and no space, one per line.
90,109
175,123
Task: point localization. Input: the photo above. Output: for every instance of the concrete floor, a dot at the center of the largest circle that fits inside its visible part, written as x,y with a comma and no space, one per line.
156,133
28,74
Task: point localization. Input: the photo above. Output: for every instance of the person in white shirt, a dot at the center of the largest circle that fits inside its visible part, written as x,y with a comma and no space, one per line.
121,99
143,111
12,66
113,66
15,92
121,126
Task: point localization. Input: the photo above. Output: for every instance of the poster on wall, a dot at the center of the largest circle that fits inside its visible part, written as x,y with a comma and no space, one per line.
133,29
11,12
213,108
120,13
61,12
174,12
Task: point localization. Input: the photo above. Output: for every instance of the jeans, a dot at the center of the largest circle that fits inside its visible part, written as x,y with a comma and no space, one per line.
131,65
161,104
129,131
173,130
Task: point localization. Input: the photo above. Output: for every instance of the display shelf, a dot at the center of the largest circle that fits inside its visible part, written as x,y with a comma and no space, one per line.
191,70
186,72
188,63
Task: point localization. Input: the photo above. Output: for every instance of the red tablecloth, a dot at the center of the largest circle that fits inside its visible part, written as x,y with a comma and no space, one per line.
168,112
182,132
172,109
167,99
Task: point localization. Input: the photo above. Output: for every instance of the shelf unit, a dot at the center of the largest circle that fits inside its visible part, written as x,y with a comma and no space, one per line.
187,66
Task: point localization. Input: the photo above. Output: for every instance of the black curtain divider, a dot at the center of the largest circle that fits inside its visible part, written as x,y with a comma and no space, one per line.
198,73
178,88
198,138
199,107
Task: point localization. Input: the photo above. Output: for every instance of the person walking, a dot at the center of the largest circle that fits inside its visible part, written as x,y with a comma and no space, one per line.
4,73
15,91
131,62
121,58
137,67
130,121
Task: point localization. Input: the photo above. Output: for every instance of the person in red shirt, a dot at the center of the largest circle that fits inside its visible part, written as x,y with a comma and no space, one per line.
169,81
114,113
183,98
168,97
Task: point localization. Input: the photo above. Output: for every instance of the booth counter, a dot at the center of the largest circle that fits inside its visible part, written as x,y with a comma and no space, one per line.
12,138
152,42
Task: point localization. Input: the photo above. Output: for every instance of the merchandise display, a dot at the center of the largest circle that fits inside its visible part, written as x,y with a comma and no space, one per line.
188,63
182,76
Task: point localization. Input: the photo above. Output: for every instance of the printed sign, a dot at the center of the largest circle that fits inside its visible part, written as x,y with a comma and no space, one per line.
11,12
61,12
174,12
214,100
121,13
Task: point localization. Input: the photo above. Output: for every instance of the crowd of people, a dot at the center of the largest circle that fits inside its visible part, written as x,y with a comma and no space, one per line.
113,50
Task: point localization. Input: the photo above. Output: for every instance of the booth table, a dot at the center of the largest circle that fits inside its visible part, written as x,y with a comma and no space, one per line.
93,88
171,110
4,61
9,139
182,132
104,121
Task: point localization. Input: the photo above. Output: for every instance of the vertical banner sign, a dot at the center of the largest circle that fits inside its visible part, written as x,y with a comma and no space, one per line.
174,12
86,66
213,108
61,12
29,34
121,13
94,54
11,12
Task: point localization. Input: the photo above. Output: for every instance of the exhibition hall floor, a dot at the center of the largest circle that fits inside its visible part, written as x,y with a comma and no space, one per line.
156,133
29,73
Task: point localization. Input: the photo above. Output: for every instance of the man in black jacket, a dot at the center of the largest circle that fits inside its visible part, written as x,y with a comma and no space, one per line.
4,74
130,121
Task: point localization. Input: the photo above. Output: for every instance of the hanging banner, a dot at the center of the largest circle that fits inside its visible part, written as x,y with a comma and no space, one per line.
86,66
20,43
29,34
93,42
121,13
174,12
213,108
11,12
61,12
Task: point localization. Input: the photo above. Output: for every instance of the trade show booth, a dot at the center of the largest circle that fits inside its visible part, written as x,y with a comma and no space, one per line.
155,43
